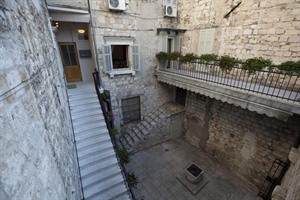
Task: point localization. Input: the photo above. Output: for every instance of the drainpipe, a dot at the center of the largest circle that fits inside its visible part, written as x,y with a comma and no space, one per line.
95,44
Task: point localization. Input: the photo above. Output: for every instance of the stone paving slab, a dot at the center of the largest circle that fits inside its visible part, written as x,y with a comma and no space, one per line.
157,167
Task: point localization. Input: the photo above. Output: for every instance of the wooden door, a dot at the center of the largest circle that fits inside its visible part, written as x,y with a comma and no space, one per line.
70,62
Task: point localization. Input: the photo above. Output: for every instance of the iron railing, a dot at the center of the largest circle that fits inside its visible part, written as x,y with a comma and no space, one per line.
274,84
273,178
106,108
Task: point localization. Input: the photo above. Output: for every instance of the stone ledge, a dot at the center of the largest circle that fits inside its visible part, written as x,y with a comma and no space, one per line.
261,104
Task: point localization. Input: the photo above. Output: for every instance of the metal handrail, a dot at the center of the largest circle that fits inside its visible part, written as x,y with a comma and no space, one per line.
270,83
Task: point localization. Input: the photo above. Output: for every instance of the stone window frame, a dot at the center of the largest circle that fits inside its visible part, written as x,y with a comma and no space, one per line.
133,56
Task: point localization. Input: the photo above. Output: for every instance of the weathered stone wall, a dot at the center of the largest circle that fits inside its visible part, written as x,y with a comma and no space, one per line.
289,188
37,154
245,141
140,22
256,28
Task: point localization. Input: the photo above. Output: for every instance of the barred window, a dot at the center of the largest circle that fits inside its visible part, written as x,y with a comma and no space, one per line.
131,109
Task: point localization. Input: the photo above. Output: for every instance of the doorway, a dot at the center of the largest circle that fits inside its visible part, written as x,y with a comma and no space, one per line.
180,96
70,62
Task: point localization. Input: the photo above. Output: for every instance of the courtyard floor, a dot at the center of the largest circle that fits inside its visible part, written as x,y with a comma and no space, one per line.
160,173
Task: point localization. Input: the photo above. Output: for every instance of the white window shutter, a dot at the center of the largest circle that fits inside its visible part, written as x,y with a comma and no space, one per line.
107,58
135,57
163,43
202,42
206,41
210,36
177,44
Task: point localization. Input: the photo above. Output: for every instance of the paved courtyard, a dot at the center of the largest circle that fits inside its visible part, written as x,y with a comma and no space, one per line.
160,172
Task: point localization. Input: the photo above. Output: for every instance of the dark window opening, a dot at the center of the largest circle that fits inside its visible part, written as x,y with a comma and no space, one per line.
180,96
120,56
131,109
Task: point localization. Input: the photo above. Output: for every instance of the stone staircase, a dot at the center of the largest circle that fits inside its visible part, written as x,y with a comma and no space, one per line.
153,129
101,175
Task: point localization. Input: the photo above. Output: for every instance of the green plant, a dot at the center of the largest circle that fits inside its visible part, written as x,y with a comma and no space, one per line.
105,95
227,63
189,57
115,131
124,157
161,56
174,55
290,66
256,64
209,57
168,56
132,180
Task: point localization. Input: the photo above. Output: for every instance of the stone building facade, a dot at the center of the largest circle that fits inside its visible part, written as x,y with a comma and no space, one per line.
255,28
137,25
247,142
37,154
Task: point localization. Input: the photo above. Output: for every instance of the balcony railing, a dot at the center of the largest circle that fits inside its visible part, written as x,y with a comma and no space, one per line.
273,84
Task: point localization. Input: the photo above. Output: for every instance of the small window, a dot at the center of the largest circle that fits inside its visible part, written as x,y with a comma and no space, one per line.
120,56
131,110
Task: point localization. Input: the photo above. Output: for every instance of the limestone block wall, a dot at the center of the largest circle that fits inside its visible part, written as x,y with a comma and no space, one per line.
37,154
244,141
139,22
256,28
290,187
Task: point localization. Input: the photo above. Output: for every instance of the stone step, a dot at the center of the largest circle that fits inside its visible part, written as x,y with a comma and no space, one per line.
92,149
83,128
78,109
101,174
85,101
106,189
96,156
98,165
78,95
91,133
88,119
86,113
91,141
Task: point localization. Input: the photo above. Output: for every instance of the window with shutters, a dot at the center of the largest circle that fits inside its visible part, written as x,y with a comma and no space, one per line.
206,41
131,110
170,42
120,56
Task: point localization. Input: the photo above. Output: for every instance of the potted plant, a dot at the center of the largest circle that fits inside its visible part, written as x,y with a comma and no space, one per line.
290,67
227,63
253,65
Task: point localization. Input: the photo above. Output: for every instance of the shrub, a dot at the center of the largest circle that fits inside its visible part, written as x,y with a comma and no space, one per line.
227,63
209,57
161,56
132,180
189,57
290,66
114,131
256,64
124,157
174,55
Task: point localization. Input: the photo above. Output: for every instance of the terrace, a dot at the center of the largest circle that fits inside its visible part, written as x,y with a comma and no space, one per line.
272,92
